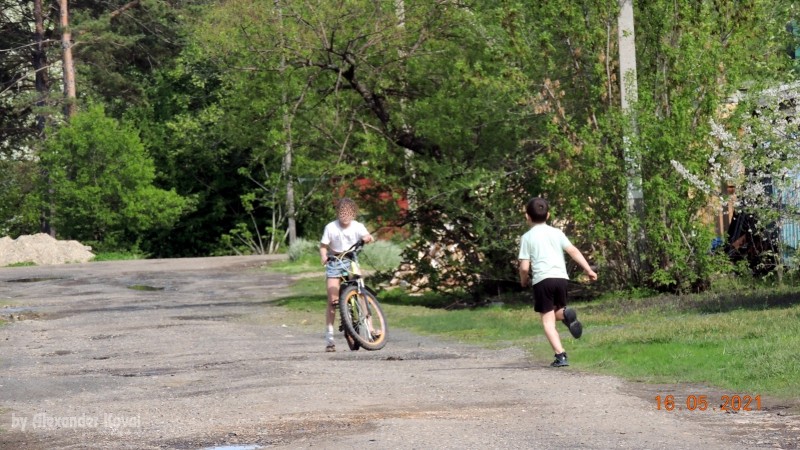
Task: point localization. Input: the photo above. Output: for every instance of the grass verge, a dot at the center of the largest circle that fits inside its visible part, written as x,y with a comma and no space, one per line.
118,256
742,342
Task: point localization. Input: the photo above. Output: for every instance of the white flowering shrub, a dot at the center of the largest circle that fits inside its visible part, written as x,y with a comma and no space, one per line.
757,151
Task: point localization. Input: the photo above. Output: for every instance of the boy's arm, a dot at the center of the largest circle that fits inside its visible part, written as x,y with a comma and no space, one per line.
323,253
524,272
577,256
365,236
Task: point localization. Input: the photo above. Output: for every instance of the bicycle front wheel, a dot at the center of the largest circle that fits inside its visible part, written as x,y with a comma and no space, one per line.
363,318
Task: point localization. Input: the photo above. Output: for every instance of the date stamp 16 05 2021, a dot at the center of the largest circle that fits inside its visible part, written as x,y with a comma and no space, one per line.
723,403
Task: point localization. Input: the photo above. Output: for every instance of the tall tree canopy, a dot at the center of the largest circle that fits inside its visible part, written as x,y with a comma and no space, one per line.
263,111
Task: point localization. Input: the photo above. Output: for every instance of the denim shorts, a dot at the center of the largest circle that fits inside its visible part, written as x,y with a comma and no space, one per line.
337,268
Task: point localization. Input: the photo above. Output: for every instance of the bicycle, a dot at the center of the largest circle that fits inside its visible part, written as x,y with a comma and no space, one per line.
362,319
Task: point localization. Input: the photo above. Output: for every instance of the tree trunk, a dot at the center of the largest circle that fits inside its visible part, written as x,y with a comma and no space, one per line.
68,65
42,84
290,210
411,195
42,80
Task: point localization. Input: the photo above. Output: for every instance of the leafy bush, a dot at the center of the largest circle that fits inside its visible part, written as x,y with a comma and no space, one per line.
381,255
302,248
18,212
100,188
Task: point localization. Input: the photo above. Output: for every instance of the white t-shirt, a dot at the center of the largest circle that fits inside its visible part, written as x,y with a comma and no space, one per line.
544,246
339,239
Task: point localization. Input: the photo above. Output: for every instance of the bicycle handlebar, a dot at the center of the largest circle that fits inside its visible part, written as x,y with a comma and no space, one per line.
350,253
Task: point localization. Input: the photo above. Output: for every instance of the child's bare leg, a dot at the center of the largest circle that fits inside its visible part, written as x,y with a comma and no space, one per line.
549,325
560,314
375,333
332,286
333,299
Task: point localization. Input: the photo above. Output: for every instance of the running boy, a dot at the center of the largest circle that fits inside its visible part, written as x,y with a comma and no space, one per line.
339,235
541,254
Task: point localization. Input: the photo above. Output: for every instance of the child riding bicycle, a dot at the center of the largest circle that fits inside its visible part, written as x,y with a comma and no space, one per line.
338,236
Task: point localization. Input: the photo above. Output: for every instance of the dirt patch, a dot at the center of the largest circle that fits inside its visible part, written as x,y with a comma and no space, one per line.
42,249
210,360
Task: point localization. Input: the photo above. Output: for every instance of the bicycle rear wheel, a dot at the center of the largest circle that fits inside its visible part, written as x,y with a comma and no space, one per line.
363,318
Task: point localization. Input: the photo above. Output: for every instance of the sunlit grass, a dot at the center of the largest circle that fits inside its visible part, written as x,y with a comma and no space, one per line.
119,256
21,264
742,350
741,344
306,264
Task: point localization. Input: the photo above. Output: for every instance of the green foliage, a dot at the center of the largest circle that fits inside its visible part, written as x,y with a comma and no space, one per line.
381,256
180,129
118,53
100,180
17,191
681,92
377,256
261,114
302,248
496,103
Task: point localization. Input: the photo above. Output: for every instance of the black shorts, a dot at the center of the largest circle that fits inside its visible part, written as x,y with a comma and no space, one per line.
550,294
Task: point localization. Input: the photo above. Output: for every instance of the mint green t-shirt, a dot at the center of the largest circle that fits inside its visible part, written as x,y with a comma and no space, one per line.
544,246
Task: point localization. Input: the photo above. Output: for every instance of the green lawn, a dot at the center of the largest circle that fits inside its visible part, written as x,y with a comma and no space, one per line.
740,342
118,256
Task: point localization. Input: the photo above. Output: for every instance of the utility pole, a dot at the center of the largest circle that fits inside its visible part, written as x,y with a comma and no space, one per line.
42,80
286,165
629,96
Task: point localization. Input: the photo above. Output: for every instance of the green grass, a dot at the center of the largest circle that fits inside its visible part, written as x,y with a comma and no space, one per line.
747,351
742,342
306,264
306,291
22,264
118,256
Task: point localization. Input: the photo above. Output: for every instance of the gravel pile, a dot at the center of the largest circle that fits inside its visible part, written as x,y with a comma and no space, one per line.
42,249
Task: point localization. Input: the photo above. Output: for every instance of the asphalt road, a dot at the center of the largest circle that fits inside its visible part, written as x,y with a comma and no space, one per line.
193,353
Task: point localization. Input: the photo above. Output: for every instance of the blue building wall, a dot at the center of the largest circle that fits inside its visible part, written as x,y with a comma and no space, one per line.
790,226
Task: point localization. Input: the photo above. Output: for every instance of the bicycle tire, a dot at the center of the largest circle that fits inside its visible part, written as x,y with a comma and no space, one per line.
355,316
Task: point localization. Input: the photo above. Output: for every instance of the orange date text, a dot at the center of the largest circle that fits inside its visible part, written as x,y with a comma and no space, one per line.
705,402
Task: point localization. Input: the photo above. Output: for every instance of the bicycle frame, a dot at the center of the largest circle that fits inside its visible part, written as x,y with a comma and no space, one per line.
353,276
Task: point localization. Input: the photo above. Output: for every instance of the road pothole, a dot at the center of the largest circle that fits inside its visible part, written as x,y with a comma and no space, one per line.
209,317
33,279
144,287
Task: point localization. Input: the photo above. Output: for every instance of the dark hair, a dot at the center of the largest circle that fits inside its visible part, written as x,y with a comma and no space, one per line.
537,209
